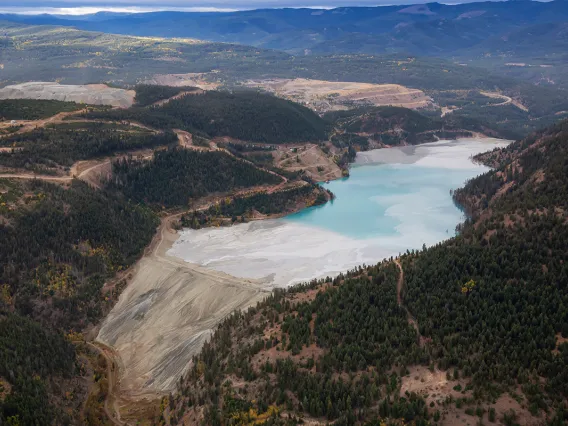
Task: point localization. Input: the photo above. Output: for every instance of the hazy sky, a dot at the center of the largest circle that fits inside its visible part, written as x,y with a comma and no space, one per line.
92,6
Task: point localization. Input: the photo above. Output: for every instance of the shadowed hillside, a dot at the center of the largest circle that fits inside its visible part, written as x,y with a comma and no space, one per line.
244,115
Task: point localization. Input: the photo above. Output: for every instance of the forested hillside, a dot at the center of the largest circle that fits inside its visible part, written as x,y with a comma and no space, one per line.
63,245
395,126
243,115
508,327
59,246
71,56
524,40
150,94
433,29
485,311
49,149
243,208
33,109
177,177
68,53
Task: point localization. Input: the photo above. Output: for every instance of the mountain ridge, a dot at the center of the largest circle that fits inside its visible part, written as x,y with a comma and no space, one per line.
467,33
261,27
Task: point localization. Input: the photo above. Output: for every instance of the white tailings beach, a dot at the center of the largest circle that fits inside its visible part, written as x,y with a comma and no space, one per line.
399,199
277,252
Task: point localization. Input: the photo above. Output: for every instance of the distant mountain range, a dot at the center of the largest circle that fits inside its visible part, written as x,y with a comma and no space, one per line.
426,29
521,39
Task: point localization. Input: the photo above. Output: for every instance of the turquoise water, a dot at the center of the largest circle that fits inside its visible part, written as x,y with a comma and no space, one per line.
395,200
376,200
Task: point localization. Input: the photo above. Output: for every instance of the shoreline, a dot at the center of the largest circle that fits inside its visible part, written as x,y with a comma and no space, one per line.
169,309
276,248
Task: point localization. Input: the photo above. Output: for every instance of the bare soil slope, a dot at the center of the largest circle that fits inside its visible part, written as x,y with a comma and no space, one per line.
180,80
309,158
164,316
94,94
336,95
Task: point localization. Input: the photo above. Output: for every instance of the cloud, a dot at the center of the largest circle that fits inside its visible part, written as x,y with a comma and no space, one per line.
86,10
79,7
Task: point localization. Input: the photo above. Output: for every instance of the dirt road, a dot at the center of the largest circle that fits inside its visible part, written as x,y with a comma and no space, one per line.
399,283
110,406
506,100
88,175
99,167
95,168
179,95
186,140
29,125
128,123
32,176
399,286
89,171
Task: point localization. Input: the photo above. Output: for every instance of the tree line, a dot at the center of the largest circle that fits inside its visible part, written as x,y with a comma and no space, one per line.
244,115
60,146
242,208
59,246
177,177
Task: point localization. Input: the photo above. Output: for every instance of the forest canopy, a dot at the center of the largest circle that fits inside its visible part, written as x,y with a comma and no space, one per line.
61,145
176,176
59,246
244,115
34,109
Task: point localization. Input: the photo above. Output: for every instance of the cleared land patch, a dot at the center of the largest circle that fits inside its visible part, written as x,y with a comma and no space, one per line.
506,100
309,158
325,96
193,79
94,94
